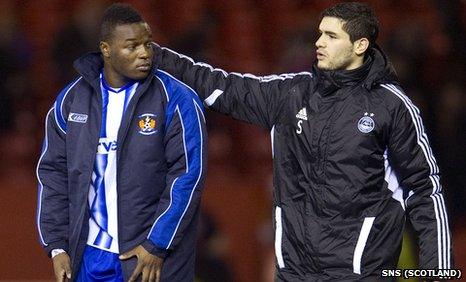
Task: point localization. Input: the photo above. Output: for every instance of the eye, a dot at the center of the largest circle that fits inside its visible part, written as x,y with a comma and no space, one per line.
131,47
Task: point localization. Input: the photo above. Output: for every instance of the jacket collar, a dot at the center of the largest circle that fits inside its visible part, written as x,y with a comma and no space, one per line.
90,65
375,70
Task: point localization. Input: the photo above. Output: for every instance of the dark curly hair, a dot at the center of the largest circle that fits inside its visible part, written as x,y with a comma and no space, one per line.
118,14
359,20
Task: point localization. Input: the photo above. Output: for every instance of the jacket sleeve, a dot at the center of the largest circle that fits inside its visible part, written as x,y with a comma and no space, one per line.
52,206
245,97
410,155
185,151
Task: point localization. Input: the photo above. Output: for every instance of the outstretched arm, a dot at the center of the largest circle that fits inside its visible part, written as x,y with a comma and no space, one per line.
246,97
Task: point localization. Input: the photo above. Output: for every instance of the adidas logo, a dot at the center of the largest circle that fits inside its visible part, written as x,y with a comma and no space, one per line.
302,114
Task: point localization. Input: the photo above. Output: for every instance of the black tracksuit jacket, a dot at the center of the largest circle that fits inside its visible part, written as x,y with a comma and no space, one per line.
351,162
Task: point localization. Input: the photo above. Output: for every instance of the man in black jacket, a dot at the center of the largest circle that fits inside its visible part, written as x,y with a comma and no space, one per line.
351,156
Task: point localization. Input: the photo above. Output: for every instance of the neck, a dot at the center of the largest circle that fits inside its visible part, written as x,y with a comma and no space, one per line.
114,79
330,81
358,62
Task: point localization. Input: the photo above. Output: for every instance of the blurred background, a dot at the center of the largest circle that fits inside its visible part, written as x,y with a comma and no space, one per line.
425,40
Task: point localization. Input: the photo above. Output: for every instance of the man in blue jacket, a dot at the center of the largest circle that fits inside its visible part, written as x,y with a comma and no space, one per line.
122,165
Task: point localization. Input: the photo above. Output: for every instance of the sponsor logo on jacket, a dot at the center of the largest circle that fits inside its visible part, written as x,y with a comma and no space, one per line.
301,115
74,117
147,124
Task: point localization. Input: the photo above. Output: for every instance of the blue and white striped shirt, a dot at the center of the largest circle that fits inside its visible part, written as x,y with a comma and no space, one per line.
102,197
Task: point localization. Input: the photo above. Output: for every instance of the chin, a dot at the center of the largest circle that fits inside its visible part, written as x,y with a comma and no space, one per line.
140,76
329,67
323,66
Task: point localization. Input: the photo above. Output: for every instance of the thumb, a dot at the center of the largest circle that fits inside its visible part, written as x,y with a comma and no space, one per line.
127,255
68,271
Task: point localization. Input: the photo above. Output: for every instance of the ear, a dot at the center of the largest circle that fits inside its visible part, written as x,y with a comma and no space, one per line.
104,49
360,46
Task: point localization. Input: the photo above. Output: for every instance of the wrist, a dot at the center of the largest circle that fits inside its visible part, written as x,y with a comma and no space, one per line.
154,250
56,252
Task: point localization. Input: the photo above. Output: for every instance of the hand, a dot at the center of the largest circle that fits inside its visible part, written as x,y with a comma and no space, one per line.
62,267
148,264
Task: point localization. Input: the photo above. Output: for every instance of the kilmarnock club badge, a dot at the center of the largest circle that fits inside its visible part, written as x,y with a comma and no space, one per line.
147,124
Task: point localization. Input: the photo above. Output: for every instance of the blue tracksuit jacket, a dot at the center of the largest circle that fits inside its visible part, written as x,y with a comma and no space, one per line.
160,168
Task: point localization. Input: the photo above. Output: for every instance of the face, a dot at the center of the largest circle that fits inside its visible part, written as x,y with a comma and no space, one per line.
128,53
334,48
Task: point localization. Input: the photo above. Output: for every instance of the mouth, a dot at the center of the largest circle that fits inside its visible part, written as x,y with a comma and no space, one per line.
320,55
144,67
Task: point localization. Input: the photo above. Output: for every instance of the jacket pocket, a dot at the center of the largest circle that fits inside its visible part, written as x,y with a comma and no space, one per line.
290,246
361,244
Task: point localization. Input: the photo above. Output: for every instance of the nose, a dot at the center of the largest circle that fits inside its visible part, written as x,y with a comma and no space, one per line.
145,52
320,41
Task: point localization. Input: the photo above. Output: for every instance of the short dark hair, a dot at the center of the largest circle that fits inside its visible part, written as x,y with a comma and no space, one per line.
118,14
359,20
